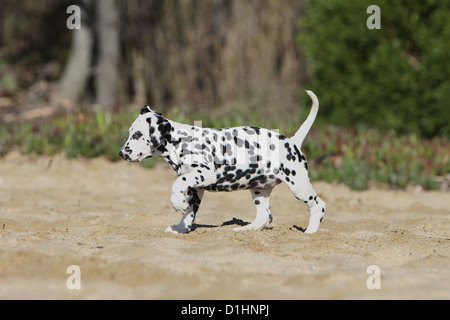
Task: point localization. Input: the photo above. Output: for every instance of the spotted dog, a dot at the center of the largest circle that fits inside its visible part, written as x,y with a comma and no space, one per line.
226,159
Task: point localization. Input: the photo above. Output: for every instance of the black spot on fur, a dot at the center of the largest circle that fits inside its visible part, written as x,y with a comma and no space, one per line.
255,158
256,129
299,154
136,135
238,141
145,109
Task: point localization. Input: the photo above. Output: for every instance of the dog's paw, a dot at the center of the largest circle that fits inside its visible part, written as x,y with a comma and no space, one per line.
311,230
316,217
178,229
179,202
314,223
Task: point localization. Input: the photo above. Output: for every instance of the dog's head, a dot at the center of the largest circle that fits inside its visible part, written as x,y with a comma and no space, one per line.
148,136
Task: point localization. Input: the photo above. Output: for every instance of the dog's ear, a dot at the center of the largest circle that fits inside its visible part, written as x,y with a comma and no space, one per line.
145,109
160,129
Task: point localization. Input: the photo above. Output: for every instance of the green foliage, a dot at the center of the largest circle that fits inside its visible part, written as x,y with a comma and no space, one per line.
84,134
396,77
360,155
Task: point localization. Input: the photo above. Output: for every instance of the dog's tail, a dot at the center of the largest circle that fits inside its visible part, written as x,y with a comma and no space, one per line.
301,133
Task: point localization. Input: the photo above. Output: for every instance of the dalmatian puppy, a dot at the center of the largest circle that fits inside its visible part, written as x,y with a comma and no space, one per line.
226,159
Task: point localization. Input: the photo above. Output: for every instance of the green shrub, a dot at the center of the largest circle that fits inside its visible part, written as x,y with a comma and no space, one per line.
396,77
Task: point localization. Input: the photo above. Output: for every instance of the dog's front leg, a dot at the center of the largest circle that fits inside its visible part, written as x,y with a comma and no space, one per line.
187,194
199,177
185,225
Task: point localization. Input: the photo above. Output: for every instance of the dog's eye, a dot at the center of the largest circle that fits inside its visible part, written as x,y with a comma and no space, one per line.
136,135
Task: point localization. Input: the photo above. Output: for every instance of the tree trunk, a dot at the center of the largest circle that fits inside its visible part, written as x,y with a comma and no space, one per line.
77,70
107,76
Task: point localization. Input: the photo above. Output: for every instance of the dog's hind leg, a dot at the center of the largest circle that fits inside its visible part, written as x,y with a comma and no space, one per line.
303,190
263,216
194,197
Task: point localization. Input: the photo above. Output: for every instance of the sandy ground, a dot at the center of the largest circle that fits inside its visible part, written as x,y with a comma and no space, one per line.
109,219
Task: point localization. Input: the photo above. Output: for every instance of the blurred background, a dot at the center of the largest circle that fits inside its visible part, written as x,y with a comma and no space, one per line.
384,93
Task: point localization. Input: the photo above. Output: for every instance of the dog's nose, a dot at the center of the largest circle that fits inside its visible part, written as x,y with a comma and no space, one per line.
124,156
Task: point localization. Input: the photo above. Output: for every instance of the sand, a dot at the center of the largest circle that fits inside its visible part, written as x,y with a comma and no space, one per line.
109,220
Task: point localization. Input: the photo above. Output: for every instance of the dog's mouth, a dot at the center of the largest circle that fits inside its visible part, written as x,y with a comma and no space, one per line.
140,159
125,156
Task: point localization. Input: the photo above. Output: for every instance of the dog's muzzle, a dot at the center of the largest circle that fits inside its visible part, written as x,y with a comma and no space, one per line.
124,156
